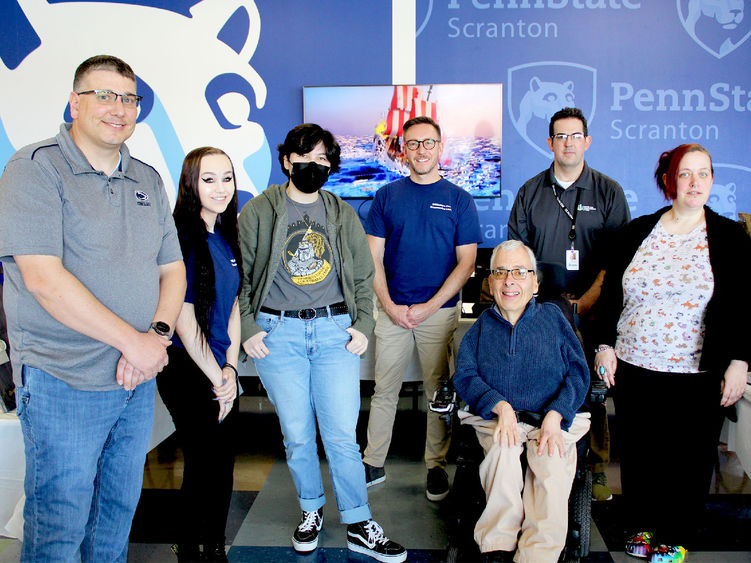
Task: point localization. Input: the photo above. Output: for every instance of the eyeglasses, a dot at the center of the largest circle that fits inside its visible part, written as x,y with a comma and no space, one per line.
516,273
109,98
428,144
563,136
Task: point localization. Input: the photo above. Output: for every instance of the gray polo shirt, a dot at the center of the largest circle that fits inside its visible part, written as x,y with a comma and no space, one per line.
111,232
539,222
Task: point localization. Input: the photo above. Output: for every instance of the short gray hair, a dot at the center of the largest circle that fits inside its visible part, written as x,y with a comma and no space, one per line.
510,246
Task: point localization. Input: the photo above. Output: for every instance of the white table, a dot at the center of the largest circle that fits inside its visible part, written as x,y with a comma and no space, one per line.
739,433
13,465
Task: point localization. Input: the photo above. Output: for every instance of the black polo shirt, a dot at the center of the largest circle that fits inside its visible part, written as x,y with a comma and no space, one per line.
539,222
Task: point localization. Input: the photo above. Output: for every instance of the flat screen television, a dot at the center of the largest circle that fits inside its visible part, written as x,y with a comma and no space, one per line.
367,120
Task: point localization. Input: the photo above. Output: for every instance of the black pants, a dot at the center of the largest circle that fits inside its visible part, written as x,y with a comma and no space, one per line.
208,448
668,430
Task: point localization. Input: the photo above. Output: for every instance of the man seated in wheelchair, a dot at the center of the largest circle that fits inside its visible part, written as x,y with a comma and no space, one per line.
522,372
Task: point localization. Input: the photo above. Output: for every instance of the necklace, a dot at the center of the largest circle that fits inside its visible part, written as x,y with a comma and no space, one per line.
680,225
302,218
677,218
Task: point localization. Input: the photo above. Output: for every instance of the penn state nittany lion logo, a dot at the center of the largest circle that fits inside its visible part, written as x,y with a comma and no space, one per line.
722,200
543,99
727,188
208,44
537,90
718,26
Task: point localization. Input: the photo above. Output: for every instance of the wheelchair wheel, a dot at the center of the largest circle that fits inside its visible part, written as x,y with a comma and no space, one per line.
580,513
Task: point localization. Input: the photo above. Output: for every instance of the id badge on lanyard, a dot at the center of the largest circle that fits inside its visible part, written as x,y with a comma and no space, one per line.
572,255
572,259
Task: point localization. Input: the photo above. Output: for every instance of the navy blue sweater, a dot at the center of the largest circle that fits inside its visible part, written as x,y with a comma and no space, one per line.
537,365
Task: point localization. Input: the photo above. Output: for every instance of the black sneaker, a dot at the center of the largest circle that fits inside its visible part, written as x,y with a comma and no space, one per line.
367,538
214,552
374,475
438,484
305,538
187,552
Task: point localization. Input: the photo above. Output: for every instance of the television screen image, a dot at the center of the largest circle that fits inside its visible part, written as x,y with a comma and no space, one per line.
367,123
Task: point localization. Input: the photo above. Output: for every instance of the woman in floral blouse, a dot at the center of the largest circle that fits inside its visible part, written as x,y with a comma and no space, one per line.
674,335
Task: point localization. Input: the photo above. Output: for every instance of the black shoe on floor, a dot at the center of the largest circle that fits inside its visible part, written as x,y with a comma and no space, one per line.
214,552
367,538
305,538
498,557
374,475
438,484
187,552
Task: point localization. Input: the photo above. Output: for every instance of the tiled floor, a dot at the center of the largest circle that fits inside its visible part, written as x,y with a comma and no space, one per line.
264,509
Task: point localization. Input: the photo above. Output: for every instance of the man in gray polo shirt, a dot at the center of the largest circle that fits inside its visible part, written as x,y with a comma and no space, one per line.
94,281
565,214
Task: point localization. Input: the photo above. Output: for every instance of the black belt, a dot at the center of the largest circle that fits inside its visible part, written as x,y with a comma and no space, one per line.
310,314
529,417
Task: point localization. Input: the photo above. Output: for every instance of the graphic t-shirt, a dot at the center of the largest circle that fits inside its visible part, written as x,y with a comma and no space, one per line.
307,274
666,287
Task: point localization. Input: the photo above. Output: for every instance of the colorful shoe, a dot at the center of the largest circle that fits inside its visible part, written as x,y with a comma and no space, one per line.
600,489
668,554
639,545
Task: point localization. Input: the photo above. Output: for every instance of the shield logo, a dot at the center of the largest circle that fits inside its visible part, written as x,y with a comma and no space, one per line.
537,90
727,195
717,26
426,17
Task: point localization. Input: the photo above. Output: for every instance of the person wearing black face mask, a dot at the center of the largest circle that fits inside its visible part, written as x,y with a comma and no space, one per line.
309,177
307,311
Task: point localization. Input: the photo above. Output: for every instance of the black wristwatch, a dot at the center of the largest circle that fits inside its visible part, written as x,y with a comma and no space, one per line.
161,328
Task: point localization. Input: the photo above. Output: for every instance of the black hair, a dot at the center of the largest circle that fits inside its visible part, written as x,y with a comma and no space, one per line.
193,235
303,139
565,113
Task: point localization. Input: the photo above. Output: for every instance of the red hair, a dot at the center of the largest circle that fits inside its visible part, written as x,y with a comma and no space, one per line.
668,167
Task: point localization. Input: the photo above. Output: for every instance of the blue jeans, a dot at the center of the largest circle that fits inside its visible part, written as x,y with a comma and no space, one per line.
309,375
85,453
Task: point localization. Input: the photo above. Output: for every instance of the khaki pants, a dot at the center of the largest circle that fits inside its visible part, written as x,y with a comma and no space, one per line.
540,511
393,352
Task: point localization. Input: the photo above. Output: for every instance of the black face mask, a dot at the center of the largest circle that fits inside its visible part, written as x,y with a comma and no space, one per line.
309,177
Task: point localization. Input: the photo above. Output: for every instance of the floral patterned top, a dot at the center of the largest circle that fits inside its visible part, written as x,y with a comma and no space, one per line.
666,288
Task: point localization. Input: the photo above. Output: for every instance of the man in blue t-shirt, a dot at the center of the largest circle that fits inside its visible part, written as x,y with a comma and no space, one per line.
423,233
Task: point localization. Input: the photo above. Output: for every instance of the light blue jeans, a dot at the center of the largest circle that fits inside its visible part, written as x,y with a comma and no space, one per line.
85,453
309,375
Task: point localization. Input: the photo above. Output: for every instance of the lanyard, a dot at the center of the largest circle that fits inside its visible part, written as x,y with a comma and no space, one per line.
572,216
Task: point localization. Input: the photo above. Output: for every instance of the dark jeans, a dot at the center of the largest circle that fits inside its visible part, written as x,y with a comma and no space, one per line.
208,448
668,430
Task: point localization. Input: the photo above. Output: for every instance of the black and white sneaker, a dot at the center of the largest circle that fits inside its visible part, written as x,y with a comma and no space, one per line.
367,538
374,475
305,538
438,484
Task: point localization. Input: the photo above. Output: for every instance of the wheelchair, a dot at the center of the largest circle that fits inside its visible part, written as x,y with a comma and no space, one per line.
466,501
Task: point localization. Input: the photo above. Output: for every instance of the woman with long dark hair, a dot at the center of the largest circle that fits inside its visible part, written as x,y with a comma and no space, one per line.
199,385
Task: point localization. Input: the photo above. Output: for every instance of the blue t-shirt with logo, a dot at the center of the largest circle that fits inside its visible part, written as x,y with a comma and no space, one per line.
226,283
422,225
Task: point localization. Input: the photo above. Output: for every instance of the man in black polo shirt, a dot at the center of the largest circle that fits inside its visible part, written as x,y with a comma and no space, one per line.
565,214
